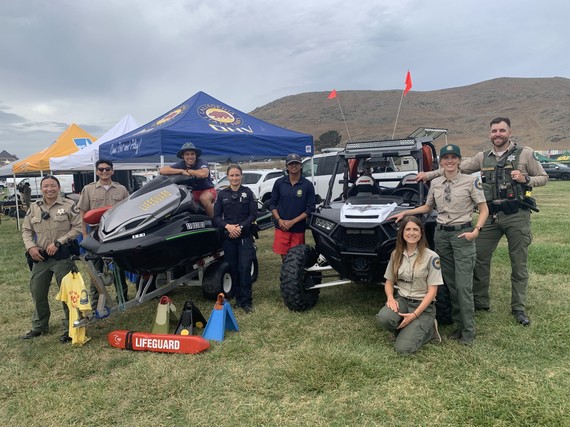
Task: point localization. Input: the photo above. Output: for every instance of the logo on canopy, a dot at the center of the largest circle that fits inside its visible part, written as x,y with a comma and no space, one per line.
171,115
218,114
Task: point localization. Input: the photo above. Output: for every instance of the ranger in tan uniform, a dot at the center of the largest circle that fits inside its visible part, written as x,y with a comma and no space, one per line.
415,271
508,172
455,196
48,226
103,192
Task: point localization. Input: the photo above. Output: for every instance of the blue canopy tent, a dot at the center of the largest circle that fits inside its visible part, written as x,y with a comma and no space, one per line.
220,131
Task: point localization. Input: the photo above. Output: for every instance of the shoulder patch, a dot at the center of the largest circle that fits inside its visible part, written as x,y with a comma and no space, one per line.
435,262
478,184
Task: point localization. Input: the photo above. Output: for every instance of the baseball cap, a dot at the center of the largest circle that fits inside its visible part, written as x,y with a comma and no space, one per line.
450,149
292,158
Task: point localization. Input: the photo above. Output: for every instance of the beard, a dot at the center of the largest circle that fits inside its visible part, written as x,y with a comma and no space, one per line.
500,142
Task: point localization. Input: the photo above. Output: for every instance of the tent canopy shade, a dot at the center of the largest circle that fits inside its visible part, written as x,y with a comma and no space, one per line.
222,133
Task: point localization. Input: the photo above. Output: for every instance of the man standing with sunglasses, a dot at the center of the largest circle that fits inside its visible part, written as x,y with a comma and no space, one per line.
103,192
454,196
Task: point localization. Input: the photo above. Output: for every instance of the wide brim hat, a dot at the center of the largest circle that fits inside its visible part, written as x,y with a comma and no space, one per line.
188,146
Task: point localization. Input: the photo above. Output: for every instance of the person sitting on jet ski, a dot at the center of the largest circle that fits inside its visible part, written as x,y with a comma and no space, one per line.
193,166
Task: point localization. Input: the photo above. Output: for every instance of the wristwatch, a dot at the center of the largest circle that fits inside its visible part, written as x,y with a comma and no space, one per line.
478,227
57,244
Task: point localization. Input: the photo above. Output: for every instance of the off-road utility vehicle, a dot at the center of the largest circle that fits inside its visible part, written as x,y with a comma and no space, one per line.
352,236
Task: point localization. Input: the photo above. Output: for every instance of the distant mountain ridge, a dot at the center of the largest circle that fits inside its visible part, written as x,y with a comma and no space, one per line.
539,109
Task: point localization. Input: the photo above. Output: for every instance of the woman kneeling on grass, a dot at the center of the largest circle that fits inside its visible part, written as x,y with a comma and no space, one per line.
415,271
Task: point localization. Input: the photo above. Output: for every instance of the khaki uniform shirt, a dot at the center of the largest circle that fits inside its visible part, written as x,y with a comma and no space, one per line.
64,223
454,199
95,196
413,281
528,165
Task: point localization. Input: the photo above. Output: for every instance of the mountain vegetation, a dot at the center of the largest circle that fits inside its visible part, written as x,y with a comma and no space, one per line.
539,109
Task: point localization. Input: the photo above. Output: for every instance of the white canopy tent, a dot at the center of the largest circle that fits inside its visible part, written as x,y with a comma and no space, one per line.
84,160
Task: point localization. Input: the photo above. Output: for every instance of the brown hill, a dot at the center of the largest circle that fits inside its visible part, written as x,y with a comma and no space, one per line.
539,109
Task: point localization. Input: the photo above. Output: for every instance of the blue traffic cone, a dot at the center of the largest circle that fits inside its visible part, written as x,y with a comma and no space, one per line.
221,319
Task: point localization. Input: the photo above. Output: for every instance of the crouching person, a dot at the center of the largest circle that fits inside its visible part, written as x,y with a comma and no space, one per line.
415,271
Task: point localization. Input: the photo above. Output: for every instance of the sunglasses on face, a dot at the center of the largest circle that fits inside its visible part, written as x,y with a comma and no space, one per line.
104,169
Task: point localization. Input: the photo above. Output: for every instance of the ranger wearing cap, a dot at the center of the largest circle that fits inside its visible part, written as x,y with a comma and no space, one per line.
292,201
454,196
508,172
193,166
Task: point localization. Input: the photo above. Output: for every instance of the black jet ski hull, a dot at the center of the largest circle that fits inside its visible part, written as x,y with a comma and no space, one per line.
179,240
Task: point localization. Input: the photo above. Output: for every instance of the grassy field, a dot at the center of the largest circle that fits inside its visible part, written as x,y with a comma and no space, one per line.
328,366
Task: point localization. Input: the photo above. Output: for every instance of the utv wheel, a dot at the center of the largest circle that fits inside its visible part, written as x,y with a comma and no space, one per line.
565,177
443,306
218,279
295,280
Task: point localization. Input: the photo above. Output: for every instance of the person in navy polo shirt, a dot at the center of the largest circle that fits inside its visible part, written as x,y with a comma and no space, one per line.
193,166
292,201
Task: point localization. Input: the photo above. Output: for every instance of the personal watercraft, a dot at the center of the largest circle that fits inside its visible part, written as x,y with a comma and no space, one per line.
158,228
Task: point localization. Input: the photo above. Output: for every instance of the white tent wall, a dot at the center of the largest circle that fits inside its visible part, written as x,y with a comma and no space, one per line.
84,160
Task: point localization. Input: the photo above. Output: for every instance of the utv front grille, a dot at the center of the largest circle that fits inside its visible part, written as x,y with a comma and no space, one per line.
360,240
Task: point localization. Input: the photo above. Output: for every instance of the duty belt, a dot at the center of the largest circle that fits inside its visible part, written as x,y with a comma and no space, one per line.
454,227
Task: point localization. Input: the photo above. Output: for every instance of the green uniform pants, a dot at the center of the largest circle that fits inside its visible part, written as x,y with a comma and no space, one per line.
519,237
42,273
457,262
416,334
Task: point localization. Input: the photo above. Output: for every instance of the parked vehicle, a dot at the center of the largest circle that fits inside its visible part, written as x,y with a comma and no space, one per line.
66,182
557,170
260,181
352,234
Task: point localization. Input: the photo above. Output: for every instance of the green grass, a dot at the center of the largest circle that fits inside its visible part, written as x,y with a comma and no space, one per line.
328,366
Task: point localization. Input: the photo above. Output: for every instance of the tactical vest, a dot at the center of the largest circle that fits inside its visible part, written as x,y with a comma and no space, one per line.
502,193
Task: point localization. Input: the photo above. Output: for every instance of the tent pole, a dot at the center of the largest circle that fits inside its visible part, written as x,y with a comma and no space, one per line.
16,201
161,161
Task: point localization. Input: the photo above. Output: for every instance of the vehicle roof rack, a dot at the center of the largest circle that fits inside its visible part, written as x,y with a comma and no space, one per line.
433,133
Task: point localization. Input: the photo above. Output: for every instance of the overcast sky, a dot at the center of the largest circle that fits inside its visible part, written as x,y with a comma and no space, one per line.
93,62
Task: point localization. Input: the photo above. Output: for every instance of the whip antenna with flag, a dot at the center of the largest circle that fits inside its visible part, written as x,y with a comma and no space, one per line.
333,95
408,83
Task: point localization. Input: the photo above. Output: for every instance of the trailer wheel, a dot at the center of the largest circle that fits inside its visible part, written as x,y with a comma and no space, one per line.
254,271
218,279
295,280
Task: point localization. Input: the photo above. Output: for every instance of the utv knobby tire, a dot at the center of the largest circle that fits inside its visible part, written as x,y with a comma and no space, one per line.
295,280
217,279
443,306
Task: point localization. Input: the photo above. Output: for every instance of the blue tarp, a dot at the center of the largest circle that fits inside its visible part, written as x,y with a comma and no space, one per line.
220,131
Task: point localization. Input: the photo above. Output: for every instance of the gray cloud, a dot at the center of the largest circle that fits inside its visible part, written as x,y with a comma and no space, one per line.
91,63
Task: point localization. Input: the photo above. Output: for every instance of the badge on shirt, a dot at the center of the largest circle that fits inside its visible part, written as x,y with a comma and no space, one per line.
61,211
511,158
436,263
299,193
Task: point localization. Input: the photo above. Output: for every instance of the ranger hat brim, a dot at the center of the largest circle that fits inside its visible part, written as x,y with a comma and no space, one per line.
188,146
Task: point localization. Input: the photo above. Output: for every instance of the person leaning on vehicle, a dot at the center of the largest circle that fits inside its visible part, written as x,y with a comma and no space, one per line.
192,165
454,196
103,192
508,172
48,226
292,201
234,213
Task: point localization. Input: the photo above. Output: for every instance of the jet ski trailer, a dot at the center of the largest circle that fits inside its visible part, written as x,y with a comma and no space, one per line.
160,234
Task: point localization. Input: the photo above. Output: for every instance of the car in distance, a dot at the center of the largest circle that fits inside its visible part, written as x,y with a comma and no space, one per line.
260,181
557,170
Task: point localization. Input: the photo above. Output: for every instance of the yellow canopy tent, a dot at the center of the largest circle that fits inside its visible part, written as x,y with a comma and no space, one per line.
71,140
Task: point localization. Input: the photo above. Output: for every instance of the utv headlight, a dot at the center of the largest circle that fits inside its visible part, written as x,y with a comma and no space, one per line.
324,224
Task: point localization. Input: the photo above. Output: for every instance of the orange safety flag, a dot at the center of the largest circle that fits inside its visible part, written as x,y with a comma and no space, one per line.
408,83
332,95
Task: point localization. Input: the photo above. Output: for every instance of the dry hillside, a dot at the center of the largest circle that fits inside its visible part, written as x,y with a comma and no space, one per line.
539,109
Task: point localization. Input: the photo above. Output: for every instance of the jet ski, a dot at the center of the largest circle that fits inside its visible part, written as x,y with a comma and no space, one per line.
158,228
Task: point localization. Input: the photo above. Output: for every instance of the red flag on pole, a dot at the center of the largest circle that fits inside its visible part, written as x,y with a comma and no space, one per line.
408,83
332,95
